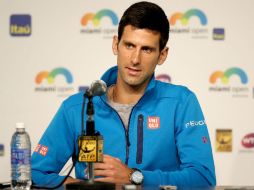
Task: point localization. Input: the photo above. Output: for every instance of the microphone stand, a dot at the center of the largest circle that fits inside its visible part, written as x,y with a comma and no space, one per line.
90,131
90,151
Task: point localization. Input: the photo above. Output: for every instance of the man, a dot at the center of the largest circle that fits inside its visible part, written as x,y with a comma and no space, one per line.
154,133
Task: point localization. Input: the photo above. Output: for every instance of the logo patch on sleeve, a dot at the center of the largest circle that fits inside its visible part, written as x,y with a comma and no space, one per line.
43,150
205,140
153,122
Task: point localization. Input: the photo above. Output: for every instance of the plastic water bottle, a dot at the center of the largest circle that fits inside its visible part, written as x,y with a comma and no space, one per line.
20,159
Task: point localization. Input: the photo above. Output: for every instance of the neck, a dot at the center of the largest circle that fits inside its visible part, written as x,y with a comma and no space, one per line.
125,95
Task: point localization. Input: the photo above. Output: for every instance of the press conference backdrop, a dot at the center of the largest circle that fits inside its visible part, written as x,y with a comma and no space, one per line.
52,49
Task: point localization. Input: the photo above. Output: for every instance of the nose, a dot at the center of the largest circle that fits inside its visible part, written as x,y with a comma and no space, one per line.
135,57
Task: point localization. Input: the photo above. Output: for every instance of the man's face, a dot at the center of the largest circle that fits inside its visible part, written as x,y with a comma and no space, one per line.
137,55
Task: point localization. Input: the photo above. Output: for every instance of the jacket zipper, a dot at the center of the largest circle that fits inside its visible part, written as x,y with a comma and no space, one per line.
140,138
127,139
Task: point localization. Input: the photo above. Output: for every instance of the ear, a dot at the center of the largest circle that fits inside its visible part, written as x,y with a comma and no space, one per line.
163,56
115,45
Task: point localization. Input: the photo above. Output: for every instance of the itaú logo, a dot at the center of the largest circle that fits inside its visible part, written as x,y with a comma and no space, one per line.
248,140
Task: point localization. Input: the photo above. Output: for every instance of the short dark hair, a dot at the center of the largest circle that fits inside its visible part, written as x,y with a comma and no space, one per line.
146,15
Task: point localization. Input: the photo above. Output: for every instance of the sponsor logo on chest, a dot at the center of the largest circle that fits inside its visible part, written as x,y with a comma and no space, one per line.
153,122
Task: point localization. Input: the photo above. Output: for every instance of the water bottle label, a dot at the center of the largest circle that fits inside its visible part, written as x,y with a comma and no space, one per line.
20,156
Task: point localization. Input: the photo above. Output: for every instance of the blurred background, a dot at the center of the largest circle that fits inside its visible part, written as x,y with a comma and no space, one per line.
52,49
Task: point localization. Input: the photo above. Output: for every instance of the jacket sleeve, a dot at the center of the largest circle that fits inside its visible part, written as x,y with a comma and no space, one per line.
54,149
194,150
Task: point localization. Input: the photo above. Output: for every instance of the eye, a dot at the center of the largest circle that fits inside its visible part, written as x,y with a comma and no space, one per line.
147,50
129,46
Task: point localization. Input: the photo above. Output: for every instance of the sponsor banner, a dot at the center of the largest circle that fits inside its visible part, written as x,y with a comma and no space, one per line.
247,143
218,34
103,22
1,150
20,25
46,82
233,81
182,23
223,140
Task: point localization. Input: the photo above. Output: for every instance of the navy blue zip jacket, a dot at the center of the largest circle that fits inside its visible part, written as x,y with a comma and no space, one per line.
167,137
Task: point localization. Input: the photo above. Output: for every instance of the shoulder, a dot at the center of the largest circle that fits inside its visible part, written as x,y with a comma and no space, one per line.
73,101
168,90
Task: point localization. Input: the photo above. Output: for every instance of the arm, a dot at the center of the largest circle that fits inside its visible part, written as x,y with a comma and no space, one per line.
194,150
71,180
112,170
53,151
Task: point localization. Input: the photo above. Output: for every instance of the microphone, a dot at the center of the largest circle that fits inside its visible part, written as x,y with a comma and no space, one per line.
90,142
97,88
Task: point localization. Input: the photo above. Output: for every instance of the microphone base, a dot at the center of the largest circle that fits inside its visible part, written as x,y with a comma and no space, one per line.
86,185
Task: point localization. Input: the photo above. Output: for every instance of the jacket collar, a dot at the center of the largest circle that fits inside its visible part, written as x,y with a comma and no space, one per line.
110,77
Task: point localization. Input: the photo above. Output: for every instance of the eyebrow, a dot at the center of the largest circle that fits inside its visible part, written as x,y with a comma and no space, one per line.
143,47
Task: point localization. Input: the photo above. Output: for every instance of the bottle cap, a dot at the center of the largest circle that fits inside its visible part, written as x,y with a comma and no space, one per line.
20,125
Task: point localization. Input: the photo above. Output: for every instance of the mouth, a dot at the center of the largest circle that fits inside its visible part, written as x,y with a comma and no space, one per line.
133,71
